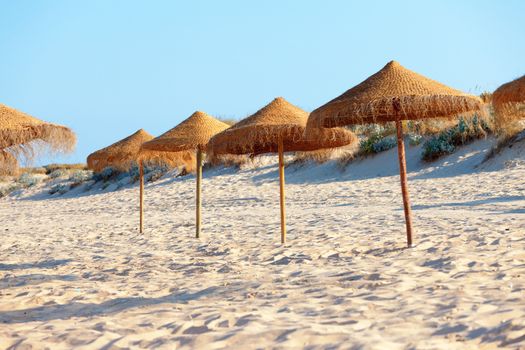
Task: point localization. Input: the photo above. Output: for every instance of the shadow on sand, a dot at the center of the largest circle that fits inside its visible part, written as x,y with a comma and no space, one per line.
32,279
470,203
47,264
101,188
77,309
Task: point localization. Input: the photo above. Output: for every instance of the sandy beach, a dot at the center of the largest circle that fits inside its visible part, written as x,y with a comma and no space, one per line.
75,272
343,175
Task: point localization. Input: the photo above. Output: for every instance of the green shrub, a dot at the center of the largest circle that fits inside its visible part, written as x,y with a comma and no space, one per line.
414,139
28,180
155,174
58,173
376,143
6,190
367,130
446,141
79,176
134,173
437,147
151,173
59,188
104,175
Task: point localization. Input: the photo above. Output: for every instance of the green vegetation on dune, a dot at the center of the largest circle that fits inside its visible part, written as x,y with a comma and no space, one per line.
446,142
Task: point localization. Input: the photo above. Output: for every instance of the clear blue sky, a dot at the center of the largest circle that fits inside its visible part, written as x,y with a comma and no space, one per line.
107,68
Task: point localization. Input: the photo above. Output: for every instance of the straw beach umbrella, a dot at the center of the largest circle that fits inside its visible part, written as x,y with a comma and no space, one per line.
120,155
394,94
123,154
277,128
509,101
193,134
21,134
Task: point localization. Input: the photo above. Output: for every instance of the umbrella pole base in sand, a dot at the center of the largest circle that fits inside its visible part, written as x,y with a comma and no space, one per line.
281,190
404,182
141,176
198,194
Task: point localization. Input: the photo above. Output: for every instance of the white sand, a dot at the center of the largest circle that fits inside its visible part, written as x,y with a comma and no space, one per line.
75,272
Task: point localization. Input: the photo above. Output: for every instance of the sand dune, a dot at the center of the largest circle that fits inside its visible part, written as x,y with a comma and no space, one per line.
75,272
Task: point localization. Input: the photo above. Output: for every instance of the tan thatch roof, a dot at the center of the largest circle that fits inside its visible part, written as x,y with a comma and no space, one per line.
509,101
390,94
8,164
260,132
24,135
119,155
512,92
193,133
125,153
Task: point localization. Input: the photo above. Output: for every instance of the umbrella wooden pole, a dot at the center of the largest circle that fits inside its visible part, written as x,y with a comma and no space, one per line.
141,176
198,194
281,188
404,184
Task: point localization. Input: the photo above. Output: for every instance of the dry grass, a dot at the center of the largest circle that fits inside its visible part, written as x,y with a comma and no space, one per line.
510,119
504,142
228,121
37,170
52,167
227,160
486,97
8,164
509,106
325,155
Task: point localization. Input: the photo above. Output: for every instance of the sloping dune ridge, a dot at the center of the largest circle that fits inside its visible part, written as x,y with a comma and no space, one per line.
75,272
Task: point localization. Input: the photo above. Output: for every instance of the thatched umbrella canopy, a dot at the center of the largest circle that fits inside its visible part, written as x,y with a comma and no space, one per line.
278,121
509,102
123,154
120,155
394,94
191,135
277,128
21,134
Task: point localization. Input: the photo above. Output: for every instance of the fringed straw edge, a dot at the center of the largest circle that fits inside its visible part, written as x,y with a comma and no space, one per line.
35,141
260,139
508,117
340,113
8,164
